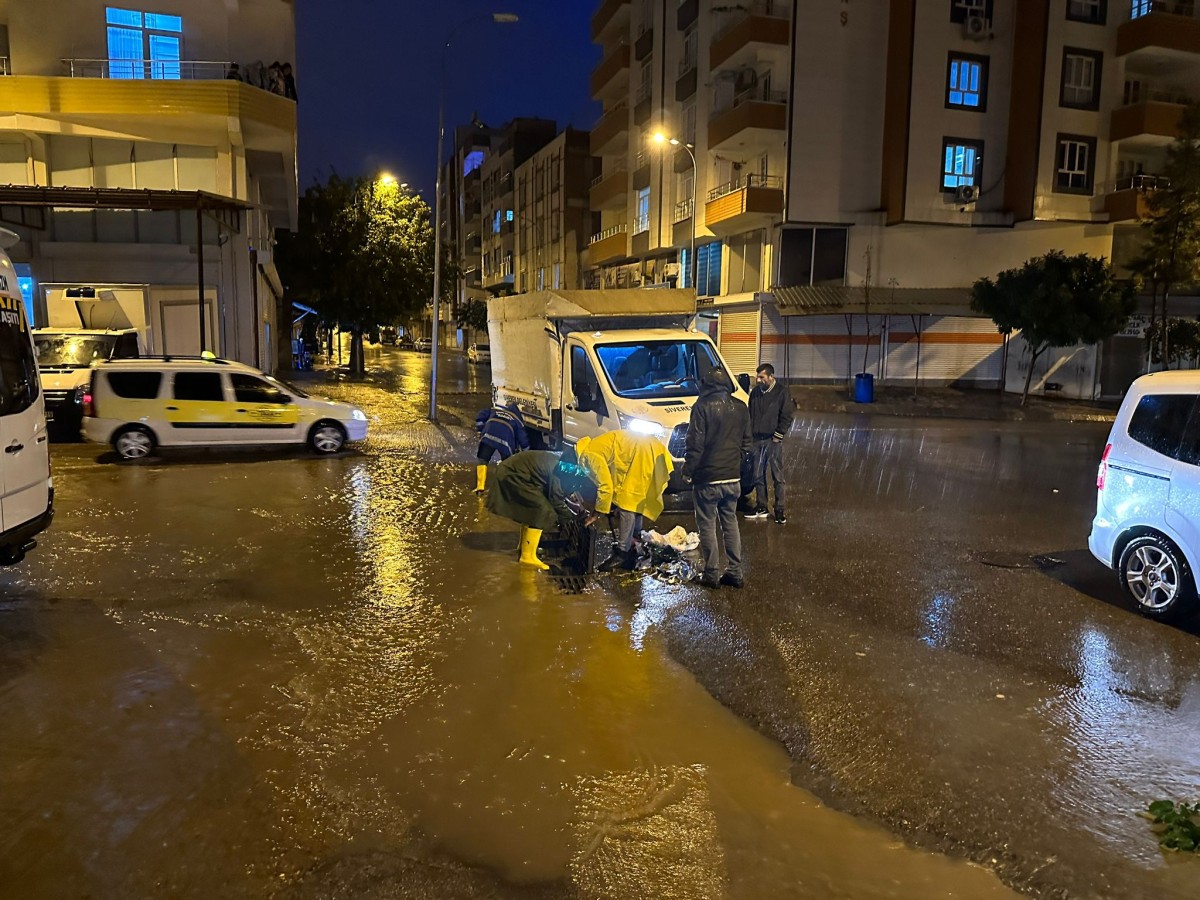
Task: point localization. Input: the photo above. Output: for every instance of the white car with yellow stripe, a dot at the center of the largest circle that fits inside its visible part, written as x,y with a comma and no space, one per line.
137,405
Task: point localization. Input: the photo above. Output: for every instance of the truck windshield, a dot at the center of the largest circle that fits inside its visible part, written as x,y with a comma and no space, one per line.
72,351
18,369
651,369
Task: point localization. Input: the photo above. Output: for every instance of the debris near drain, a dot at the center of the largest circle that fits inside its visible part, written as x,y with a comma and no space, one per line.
1177,825
1040,562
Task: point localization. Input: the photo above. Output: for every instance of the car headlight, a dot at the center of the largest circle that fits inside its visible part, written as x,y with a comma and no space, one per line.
640,426
358,415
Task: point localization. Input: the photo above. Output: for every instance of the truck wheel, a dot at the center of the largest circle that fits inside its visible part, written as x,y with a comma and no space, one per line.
134,442
326,438
1156,576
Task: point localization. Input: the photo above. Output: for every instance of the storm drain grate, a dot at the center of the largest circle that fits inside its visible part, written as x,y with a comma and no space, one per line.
570,584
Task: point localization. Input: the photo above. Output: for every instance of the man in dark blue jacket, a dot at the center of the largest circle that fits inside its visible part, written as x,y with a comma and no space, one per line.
718,435
502,431
770,421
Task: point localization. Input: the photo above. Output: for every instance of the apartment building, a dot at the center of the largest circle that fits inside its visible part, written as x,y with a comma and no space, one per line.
554,221
131,160
519,140
859,166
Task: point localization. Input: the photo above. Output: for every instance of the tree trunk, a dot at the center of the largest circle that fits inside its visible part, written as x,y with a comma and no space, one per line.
358,365
1153,319
1165,329
1029,375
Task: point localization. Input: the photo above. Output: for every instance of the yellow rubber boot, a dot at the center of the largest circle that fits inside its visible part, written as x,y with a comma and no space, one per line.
480,479
530,538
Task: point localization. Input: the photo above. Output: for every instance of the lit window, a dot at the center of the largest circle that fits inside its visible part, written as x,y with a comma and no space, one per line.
641,221
1075,164
1092,11
1141,8
966,82
1080,79
496,223
960,163
708,269
135,38
472,161
508,215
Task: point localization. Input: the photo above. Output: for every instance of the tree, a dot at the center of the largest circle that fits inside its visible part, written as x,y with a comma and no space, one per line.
1056,301
1171,253
1181,343
363,255
473,314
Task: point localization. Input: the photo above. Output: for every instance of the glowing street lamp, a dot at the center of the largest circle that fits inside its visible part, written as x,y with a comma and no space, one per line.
662,140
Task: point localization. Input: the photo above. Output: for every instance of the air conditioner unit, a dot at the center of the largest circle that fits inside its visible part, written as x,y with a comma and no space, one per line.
976,27
966,193
671,270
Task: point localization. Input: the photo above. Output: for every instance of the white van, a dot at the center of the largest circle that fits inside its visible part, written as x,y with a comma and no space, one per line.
26,487
137,405
65,358
1147,524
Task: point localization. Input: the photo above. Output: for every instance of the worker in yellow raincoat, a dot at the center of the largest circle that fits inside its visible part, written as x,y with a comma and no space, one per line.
631,472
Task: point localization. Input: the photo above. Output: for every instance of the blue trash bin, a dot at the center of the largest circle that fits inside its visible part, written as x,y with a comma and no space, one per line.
864,388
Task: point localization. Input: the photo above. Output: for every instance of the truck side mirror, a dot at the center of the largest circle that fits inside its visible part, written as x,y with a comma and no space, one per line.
744,381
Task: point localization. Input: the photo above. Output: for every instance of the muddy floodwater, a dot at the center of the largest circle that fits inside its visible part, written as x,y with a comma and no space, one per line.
249,675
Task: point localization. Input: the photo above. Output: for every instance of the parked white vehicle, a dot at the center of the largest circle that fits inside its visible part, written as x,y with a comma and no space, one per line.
26,487
1147,524
65,358
581,363
138,405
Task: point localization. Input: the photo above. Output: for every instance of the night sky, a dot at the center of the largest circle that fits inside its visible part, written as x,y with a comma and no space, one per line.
368,73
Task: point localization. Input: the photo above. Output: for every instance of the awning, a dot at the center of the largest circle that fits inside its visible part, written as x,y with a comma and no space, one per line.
36,198
839,300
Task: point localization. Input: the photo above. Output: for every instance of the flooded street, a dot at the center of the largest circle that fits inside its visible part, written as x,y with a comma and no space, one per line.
248,675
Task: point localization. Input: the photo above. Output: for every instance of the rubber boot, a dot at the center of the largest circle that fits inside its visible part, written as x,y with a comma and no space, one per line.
619,559
480,479
530,538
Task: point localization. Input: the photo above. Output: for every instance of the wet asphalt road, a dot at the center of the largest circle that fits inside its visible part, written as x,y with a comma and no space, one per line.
269,674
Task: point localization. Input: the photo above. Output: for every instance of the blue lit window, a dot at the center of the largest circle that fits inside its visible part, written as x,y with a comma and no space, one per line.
134,37
496,223
1141,8
508,215
708,269
472,161
966,82
961,163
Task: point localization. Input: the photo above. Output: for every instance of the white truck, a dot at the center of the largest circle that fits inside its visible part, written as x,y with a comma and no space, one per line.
580,363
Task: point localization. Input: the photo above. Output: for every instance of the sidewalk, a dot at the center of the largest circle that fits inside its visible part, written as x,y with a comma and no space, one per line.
953,403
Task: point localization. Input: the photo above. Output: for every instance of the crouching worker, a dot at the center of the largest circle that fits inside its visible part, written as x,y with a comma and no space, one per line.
502,431
539,491
631,472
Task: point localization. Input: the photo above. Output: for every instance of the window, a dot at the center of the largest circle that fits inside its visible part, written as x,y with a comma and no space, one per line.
496,223
248,389
966,82
646,84
135,385
472,161
812,256
583,376
641,221
687,61
1159,422
18,367
689,122
135,37
961,163
1075,164
1141,8
656,369
557,276
1080,79
1094,12
508,215
960,10
126,348
201,386
708,269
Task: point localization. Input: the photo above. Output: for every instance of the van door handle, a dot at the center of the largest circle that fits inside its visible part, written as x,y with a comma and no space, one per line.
14,447
241,410
173,409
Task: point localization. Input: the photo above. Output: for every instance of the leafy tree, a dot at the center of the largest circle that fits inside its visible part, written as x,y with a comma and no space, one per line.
1181,343
1056,301
363,255
473,314
1171,253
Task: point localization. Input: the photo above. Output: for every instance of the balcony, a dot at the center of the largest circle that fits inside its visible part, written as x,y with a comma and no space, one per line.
683,210
760,26
754,122
610,191
686,14
499,278
610,136
610,79
749,202
1128,200
1150,122
610,244
685,84
1160,29
611,18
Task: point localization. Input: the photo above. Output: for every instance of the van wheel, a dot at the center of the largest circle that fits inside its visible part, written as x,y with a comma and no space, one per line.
1156,576
327,437
134,442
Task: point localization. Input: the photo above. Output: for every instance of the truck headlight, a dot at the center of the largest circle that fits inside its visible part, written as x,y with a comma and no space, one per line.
358,415
641,426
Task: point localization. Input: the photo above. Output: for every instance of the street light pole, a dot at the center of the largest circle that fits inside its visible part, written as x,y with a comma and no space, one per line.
502,18
660,138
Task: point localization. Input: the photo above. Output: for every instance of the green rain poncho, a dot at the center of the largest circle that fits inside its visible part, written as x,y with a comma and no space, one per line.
526,489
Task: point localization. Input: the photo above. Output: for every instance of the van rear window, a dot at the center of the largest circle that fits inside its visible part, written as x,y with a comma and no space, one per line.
18,367
135,385
1159,422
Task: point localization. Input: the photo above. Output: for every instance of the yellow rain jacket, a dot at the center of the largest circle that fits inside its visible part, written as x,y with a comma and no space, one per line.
630,470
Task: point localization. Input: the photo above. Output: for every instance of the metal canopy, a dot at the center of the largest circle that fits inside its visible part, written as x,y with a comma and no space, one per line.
221,209
840,300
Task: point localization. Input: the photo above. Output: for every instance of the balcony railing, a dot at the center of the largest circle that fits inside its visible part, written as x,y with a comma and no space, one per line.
1139,8
687,64
4,69
1139,93
683,210
755,94
641,223
161,69
609,232
1145,183
771,182
773,9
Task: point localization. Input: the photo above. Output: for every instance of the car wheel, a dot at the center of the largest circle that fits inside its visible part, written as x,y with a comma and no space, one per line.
1157,577
327,437
134,442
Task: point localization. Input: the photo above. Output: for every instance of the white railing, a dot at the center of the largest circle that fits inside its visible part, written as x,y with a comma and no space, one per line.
4,68
683,210
641,223
687,64
185,69
750,181
1142,94
609,232
756,94
1137,183
1139,8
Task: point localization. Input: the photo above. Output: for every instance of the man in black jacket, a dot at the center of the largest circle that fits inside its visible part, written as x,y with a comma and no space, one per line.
718,436
770,421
